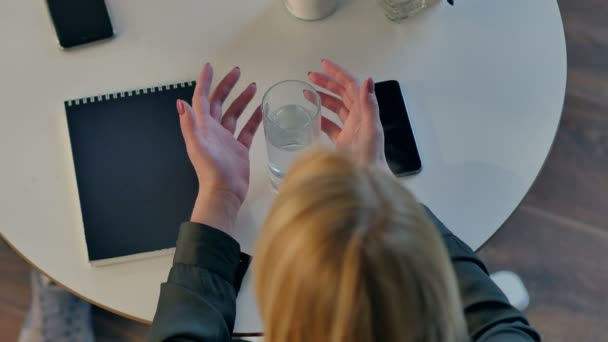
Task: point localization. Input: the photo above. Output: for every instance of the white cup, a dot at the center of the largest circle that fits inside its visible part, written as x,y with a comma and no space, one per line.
311,9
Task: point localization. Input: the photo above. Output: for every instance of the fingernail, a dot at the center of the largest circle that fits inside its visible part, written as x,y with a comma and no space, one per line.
237,68
254,84
370,85
310,72
180,107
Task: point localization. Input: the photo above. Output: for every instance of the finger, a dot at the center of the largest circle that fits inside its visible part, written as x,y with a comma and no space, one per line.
311,97
327,83
330,128
200,97
342,76
222,91
186,121
335,105
330,84
248,132
369,102
237,107
330,102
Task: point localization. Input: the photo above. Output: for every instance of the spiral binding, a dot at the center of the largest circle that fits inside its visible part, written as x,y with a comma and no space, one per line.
123,94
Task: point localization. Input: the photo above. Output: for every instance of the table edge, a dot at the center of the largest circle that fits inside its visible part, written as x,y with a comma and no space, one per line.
90,301
557,127
259,334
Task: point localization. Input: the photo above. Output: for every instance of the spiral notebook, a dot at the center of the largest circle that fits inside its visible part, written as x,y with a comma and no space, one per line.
135,181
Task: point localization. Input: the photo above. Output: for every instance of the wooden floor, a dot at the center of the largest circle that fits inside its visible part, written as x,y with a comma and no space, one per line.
557,240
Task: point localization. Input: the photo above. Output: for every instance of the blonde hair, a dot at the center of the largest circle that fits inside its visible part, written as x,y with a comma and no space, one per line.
347,254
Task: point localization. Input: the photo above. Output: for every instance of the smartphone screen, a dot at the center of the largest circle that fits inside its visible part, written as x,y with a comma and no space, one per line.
80,21
399,144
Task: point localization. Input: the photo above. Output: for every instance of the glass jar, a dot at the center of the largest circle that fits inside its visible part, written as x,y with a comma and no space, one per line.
397,10
311,9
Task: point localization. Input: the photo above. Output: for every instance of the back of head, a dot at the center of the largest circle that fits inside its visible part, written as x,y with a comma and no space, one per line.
347,254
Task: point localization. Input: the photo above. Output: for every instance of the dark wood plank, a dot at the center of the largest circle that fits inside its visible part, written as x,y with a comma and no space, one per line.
574,181
14,292
586,35
563,264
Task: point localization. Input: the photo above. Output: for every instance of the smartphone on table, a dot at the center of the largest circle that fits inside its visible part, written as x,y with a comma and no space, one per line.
399,143
79,22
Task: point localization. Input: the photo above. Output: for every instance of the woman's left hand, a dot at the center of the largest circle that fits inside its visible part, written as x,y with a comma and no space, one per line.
220,159
356,105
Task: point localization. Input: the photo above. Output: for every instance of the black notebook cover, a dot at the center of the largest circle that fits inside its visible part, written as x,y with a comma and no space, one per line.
135,181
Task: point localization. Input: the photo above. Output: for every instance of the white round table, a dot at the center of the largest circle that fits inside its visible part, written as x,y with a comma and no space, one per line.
484,82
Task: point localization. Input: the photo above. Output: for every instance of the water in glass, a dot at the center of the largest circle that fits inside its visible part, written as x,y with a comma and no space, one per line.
398,10
289,129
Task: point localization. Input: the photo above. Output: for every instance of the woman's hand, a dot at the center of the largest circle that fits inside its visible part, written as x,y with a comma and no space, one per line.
221,160
361,133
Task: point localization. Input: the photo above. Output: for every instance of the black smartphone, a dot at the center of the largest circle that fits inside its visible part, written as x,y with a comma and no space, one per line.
399,143
80,21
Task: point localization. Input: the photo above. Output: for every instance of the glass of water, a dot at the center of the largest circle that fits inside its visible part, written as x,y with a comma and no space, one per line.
398,10
292,122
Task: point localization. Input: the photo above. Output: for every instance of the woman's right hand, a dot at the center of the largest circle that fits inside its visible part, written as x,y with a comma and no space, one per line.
356,105
220,157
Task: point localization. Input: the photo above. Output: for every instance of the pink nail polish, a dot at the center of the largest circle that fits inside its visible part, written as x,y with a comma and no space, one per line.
370,85
180,107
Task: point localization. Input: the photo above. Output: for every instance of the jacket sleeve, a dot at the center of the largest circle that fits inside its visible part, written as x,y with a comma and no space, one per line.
198,301
489,315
